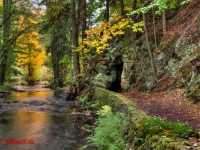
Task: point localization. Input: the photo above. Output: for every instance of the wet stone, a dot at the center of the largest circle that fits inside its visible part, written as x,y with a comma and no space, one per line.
2,100
63,110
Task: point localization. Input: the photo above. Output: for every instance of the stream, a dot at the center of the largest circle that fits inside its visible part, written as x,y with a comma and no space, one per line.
40,119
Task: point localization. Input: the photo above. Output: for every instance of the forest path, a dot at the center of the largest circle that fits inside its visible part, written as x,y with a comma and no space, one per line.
171,106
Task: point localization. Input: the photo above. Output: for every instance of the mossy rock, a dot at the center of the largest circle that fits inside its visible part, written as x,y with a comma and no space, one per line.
164,143
118,103
136,115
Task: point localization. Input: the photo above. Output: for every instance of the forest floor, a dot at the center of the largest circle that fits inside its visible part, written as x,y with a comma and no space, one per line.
169,105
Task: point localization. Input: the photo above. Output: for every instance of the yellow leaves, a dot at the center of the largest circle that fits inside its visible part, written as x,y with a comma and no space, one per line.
85,50
30,53
98,37
54,9
120,32
138,26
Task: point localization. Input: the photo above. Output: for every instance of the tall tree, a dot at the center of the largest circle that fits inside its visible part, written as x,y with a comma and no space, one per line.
84,26
122,7
134,7
30,53
74,22
154,28
83,18
58,47
6,33
107,11
149,48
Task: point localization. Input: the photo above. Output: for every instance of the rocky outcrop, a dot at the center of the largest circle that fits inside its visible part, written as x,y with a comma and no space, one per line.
184,62
126,64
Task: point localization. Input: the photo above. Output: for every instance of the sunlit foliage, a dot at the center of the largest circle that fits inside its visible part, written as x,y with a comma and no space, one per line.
30,53
98,37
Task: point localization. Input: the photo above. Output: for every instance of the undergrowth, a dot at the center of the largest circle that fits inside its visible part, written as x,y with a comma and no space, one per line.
108,135
6,86
155,126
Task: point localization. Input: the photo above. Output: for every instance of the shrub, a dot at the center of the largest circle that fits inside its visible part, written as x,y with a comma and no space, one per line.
6,86
108,135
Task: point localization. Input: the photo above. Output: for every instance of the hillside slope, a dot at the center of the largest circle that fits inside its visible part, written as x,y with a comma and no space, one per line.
125,64
181,47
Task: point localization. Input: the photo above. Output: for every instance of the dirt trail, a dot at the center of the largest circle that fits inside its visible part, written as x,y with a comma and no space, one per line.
170,106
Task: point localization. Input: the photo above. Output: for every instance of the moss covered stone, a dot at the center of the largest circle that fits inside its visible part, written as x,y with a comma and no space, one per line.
135,114
118,103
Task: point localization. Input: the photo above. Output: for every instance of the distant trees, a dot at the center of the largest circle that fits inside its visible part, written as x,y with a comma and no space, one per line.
10,30
73,25
30,53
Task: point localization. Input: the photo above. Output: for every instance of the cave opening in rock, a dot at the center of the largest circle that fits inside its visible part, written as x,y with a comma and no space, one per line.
116,84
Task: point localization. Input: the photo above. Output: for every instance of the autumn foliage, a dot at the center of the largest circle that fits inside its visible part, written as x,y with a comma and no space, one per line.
30,54
98,37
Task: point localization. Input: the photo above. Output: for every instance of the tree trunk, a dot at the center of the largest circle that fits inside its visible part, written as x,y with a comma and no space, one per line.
58,47
107,10
164,22
149,49
134,7
78,13
75,41
83,18
154,28
83,25
6,33
122,7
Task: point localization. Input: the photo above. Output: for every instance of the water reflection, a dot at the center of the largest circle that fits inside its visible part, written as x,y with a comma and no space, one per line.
27,95
39,116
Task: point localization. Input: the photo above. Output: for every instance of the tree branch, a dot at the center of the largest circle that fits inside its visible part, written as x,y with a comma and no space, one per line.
10,42
7,18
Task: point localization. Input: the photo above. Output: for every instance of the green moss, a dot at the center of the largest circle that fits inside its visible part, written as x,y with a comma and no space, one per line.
155,126
118,103
163,143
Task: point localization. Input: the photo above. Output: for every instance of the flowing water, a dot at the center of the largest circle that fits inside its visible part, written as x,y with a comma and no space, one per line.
40,121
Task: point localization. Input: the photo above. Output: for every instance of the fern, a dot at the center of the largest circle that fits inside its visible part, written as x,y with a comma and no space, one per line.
84,99
108,135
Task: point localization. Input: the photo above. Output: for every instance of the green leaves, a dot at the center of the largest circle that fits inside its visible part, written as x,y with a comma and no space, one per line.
160,5
108,135
185,2
84,99
105,109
